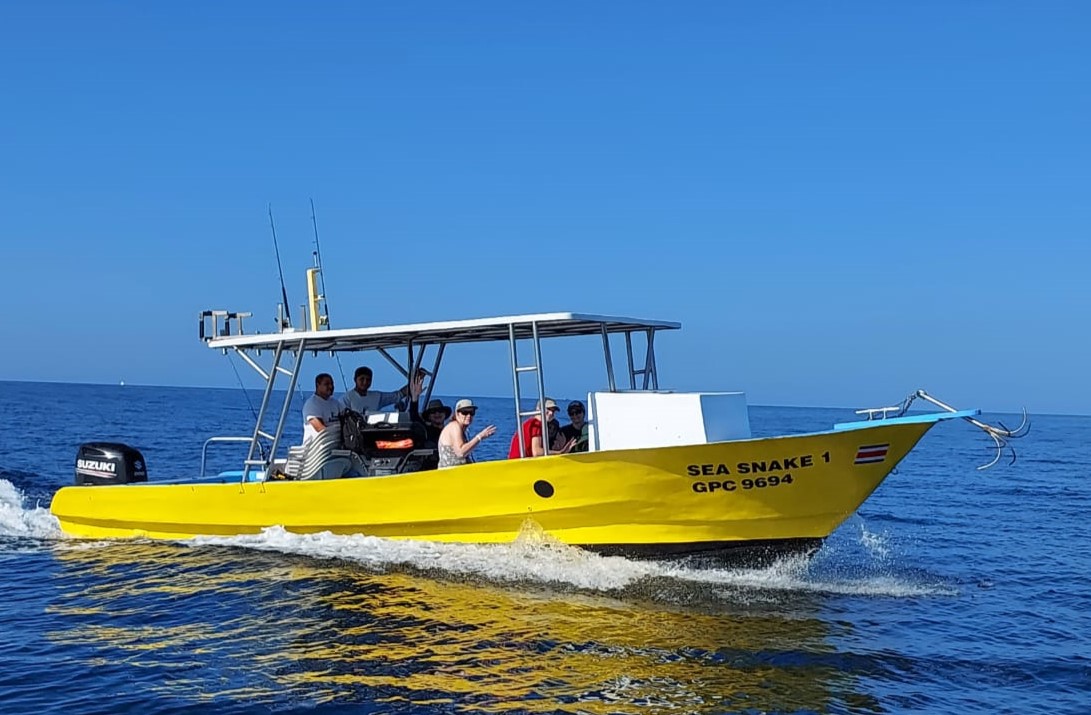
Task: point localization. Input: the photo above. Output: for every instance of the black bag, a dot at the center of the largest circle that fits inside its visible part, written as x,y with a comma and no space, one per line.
353,425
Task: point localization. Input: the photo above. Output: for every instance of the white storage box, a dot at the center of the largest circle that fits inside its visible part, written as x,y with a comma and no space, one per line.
629,420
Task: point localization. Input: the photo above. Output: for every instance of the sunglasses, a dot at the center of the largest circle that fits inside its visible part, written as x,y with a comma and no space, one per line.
467,412
575,412
552,409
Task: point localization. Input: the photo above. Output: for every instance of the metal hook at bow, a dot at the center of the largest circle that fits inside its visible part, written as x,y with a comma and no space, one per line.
999,434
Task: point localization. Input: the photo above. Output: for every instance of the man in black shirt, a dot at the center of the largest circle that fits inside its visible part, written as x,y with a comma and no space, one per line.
578,428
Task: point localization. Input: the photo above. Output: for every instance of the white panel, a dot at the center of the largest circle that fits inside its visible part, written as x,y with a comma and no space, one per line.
630,420
387,418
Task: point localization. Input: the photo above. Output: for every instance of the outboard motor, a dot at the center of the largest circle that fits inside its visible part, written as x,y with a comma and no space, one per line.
109,463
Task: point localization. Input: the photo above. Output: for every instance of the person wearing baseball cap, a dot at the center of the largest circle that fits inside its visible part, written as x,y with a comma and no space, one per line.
577,430
531,434
454,446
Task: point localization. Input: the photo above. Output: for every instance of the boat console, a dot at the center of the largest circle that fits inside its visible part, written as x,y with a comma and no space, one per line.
388,448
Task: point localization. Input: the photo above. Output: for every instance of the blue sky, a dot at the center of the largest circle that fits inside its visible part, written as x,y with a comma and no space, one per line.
840,202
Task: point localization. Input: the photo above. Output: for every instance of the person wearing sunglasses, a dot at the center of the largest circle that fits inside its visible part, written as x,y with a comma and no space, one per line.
577,430
531,433
454,445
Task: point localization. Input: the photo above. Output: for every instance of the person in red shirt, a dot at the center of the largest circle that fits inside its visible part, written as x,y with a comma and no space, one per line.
531,433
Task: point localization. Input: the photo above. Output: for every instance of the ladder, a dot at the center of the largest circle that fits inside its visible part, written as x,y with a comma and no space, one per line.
254,458
516,371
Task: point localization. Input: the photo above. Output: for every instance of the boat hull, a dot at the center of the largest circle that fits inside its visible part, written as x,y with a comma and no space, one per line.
782,492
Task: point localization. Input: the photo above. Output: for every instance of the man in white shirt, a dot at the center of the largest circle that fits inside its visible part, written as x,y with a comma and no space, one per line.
363,399
320,409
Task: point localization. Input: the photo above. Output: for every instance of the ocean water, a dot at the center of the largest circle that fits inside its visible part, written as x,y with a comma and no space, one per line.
951,591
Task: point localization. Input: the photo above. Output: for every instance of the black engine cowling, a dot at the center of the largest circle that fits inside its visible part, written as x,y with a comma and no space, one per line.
109,463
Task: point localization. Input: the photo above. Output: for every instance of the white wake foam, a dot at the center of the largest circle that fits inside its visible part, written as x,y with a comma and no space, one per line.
536,558
531,558
17,520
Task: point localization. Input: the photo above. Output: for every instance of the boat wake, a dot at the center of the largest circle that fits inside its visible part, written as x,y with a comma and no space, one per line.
535,559
17,520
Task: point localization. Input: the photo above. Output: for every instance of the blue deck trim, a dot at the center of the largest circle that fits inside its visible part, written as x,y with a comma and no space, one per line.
907,419
231,476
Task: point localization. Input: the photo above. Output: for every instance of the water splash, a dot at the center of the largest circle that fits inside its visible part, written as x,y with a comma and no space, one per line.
533,557
17,520
874,542
537,558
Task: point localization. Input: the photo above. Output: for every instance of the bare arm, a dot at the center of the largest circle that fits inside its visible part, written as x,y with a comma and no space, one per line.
453,438
559,446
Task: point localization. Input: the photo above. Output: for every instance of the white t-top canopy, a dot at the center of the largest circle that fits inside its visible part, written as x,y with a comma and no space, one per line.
550,325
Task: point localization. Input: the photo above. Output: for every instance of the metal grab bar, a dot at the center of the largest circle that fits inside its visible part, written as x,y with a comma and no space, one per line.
204,449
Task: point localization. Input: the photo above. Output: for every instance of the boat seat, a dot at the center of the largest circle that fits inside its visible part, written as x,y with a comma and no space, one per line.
322,457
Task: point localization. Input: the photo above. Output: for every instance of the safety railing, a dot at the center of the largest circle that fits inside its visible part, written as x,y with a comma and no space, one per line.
210,440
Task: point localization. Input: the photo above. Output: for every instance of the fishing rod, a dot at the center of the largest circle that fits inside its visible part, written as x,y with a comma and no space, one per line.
283,288
322,284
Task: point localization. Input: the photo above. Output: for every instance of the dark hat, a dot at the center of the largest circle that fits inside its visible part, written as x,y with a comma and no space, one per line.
575,405
436,405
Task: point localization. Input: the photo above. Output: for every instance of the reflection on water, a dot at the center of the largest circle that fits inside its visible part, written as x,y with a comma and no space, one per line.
226,625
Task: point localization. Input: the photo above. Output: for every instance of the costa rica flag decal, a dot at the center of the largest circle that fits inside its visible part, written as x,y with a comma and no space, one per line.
872,453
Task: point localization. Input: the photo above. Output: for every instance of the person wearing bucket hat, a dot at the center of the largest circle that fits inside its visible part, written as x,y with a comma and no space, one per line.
434,414
454,446
432,418
531,433
436,408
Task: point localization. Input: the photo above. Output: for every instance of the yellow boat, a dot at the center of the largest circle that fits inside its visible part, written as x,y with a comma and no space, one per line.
665,473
